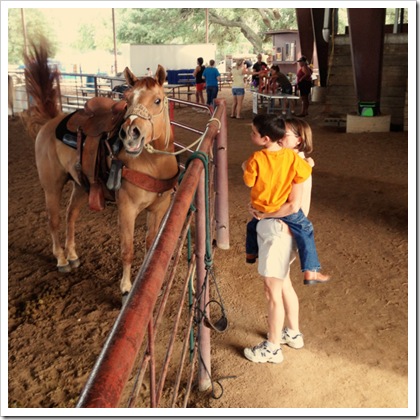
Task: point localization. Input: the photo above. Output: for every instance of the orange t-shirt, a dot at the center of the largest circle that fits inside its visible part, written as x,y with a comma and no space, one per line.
271,175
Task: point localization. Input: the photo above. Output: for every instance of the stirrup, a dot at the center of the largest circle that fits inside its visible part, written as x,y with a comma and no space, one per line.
220,325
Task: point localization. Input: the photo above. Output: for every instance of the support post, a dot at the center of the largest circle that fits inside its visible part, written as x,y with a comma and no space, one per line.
204,366
221,182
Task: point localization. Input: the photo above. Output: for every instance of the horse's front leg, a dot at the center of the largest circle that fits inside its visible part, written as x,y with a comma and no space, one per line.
126,218
155,215
77,199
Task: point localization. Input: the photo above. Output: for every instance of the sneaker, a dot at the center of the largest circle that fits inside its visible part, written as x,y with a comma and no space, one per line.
292,339
263,354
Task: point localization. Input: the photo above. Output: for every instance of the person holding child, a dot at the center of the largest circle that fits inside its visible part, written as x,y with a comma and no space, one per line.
276,242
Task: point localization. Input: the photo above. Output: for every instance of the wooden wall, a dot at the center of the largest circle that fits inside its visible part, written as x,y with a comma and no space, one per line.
341,97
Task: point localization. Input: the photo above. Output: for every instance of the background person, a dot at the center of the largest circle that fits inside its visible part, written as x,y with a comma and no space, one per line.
211,76
258,70
280,83
304,84
238,74
200,84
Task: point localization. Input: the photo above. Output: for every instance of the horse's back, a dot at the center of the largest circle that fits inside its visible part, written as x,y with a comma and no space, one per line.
53,157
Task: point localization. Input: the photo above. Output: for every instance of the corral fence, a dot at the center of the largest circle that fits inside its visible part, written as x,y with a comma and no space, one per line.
74,89
165,324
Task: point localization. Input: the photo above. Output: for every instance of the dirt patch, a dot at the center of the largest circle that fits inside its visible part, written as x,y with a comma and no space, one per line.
355,328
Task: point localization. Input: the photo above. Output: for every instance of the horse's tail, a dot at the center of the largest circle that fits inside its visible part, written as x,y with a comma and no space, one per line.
43,96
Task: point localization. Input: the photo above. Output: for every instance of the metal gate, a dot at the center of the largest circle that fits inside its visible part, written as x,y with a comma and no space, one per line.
164,292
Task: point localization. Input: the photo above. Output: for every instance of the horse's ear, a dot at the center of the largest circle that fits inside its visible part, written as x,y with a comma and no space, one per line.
160,75
130,78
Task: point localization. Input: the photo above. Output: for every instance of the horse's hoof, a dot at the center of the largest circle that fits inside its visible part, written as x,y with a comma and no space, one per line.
124,298
74,263
64,268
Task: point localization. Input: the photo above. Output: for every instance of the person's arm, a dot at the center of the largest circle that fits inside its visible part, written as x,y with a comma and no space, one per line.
292,205
196,71
307,72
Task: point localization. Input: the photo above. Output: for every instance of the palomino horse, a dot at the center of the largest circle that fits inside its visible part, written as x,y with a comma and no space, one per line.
146,120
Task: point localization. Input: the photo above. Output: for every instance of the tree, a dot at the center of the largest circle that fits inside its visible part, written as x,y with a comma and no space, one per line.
254,23
231,29
36,25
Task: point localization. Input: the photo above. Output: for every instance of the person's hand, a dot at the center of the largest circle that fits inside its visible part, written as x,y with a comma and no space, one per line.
243,166
255,213
310,161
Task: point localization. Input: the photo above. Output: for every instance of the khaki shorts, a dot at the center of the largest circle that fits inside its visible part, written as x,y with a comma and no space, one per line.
276,248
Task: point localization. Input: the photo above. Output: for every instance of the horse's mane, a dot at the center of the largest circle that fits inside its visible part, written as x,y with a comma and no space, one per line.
40,87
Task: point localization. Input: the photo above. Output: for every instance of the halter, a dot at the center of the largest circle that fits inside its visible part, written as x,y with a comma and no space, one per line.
142,112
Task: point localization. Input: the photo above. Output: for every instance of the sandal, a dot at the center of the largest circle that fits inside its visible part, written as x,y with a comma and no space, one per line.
316,278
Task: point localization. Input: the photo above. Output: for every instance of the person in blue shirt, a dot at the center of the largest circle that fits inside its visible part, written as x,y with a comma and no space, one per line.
212,78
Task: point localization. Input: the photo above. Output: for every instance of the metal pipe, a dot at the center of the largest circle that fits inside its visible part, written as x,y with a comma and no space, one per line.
202,290
152,364
326,30
221,182
115,42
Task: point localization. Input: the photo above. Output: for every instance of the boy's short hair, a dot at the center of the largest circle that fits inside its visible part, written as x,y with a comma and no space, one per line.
269,125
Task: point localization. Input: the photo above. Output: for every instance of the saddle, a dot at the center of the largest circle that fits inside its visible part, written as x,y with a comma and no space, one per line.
97,122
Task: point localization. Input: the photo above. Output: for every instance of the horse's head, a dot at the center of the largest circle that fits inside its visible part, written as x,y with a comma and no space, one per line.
147,118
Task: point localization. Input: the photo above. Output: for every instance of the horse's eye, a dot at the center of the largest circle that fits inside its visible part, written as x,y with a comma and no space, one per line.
158,101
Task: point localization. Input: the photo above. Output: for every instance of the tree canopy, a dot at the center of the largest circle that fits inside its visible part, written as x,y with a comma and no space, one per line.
36,25
233,30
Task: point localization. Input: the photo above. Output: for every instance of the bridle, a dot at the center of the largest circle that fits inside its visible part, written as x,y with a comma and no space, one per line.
140,111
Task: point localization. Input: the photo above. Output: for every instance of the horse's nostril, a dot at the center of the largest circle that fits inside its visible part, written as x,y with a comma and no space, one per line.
136,132
123,134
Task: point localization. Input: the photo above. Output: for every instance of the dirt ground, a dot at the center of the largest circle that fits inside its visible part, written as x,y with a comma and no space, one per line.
355,328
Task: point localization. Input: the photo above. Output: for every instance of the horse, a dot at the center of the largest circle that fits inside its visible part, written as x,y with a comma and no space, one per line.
146,121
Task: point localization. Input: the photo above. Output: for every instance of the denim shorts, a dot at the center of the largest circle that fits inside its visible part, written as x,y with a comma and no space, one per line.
238,91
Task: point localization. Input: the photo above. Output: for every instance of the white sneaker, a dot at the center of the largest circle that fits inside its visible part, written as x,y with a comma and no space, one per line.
263,354
294,340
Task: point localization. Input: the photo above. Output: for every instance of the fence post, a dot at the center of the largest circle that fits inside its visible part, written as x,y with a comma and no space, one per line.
204,364
221,181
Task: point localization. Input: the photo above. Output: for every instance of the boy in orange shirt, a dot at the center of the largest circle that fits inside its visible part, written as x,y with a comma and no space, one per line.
270,173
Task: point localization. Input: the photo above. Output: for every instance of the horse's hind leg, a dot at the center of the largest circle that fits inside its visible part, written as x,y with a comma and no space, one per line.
52,200
78,197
